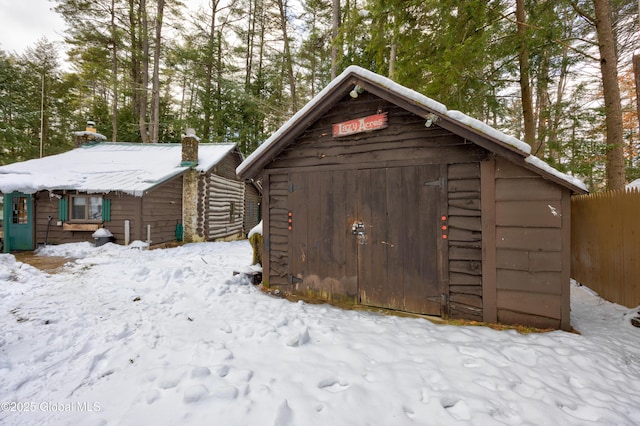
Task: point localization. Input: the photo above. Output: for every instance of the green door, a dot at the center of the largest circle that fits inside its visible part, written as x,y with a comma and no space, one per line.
18,222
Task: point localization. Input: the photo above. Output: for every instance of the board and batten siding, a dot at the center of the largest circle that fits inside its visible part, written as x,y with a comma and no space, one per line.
532,261
223,207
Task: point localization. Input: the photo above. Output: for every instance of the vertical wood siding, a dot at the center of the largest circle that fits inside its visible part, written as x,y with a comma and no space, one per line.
606,244
162,209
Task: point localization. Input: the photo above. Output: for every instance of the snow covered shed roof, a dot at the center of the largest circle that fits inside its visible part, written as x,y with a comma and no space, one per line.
455,121
131,168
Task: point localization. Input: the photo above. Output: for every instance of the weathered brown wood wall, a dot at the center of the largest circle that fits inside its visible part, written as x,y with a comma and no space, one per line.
276,238
162,211
605,244
252,205
465,241
126,207
532,255
406,142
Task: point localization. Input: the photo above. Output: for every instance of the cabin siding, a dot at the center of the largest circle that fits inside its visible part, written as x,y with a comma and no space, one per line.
252,207
161,211
406,141
223,207
430,194
277,243
465,241
317,159
530,241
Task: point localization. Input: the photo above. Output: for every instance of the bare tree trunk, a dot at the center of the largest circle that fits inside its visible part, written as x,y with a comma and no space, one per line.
114,70
611,89
287,55
136,83
636,74
525,84
542,105
155,81
335,26
144,39
211,50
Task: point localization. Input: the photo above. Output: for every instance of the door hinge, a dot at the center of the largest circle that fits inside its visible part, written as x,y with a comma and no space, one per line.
294,280
438,182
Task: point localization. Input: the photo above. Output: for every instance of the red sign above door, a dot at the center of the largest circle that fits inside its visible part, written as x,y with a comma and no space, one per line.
360,125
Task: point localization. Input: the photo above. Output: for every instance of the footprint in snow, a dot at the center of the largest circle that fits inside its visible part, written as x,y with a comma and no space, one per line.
194,393
284,415
457,408
333,385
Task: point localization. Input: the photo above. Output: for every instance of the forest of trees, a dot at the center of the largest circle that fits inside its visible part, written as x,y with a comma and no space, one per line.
557,74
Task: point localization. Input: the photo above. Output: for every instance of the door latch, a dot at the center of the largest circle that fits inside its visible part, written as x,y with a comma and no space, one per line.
358,230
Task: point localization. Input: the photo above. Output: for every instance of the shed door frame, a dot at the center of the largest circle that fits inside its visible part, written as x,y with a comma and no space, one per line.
18,222
402,252
324,206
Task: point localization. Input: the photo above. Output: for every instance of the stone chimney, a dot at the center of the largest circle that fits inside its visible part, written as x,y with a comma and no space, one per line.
89,135
190,196
190,149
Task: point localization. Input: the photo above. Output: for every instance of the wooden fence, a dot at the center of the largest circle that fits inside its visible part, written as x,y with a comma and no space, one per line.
605,244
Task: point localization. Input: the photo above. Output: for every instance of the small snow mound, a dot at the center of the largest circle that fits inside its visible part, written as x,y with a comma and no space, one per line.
255,230
299,338
140,245
223,390
194,393
102,233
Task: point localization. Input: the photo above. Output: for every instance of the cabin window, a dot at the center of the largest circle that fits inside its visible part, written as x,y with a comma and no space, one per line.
85,208
20,214
232,211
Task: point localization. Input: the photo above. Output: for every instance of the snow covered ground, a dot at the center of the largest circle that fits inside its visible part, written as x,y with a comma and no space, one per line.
168,337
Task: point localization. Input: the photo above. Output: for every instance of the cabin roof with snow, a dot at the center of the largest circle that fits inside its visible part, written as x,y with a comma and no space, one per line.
455,121
131,168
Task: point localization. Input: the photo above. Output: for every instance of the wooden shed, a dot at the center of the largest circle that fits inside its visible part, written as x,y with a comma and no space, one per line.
156,193
377,195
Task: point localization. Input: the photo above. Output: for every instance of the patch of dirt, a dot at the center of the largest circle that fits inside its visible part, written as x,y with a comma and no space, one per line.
48,264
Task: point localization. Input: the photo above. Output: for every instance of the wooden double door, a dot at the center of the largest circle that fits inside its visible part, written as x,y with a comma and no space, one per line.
370,234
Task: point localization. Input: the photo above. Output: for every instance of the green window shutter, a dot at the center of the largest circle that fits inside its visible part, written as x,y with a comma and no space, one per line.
106,210
62,209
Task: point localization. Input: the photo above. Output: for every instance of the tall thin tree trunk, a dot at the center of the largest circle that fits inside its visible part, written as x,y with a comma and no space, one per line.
144,39
542,105
211,57
136,83
249,41
525,84
114,103
155,81
287,55
612,107
335,26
